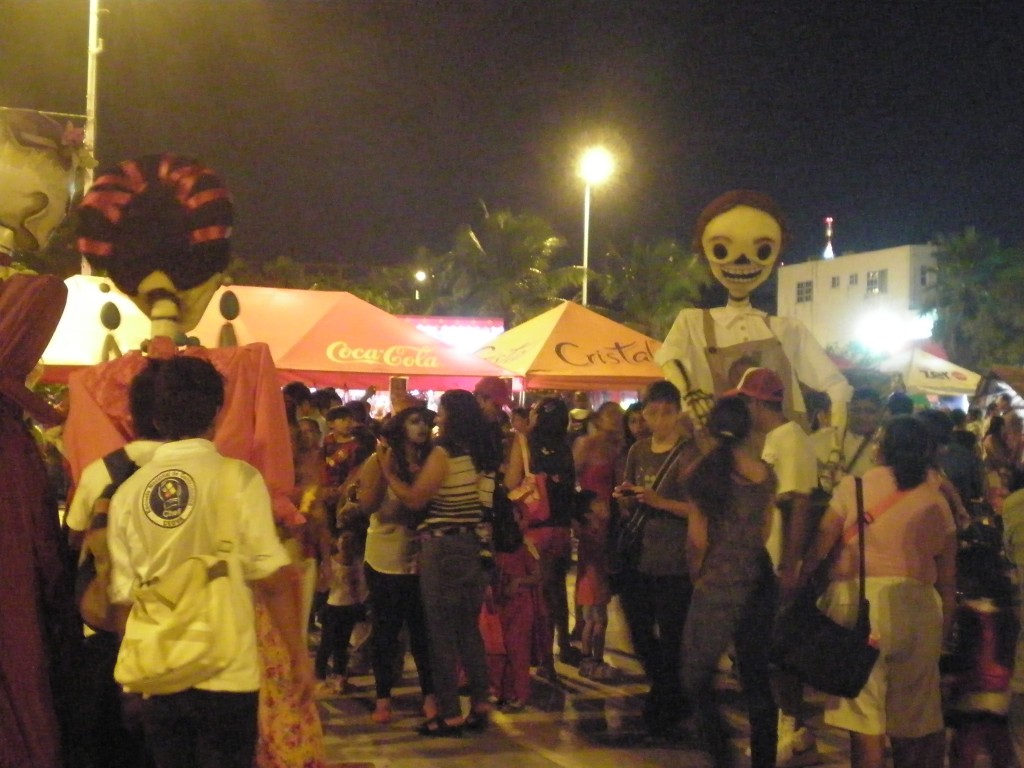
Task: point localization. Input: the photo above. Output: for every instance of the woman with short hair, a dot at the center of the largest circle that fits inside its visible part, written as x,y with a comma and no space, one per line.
910,543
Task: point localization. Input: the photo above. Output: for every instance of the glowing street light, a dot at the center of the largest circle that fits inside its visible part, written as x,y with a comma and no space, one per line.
421,277
595,166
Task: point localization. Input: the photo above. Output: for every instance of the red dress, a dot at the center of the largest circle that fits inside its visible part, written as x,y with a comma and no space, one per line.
40,628
592,586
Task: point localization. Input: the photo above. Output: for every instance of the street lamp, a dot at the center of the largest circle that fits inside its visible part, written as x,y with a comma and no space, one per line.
421,277
94,49
595,166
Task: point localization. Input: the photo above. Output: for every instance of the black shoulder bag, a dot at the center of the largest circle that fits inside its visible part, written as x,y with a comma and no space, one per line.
628,537
823,654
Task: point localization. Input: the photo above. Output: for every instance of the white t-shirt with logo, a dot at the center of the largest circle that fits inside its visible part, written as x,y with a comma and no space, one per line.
167,511
790,453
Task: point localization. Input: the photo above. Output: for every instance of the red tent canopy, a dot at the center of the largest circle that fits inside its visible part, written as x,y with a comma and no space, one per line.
331,338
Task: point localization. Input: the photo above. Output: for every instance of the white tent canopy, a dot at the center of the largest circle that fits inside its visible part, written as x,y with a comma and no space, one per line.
924,373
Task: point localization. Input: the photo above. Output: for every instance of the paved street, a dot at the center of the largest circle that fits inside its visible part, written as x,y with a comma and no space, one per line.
578,724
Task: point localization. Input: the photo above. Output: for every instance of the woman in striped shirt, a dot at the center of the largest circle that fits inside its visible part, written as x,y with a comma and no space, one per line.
455,484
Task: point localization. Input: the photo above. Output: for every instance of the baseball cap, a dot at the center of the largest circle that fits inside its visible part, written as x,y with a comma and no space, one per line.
759,384
494,388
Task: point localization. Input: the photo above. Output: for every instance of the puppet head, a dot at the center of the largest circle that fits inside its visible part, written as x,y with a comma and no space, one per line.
160,225
41,162
741,234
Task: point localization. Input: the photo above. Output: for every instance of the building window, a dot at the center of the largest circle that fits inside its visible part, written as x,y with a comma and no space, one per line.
927,277
878,281
835,281
853,279
804,292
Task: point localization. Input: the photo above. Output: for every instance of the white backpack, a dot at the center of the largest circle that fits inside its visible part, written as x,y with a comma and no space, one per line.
185,626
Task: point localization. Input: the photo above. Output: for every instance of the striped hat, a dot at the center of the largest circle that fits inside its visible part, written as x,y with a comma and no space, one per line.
158,212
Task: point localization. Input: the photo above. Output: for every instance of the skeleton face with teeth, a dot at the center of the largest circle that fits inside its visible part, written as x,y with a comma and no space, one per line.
741,234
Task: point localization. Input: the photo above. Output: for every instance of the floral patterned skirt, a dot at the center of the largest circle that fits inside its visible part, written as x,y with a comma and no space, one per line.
290,733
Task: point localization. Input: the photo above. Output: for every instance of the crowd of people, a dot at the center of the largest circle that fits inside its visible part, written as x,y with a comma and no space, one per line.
740,512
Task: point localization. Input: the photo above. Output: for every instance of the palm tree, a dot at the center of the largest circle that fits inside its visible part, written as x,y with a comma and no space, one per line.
974,299
503,266
647,286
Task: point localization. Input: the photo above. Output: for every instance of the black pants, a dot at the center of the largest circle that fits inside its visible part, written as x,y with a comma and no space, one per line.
743,615
201,729
655,608
108,737
339,621
395,602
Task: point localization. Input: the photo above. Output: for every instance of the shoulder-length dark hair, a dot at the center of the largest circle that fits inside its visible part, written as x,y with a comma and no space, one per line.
906,447
550,432
393,432
466,431
711,481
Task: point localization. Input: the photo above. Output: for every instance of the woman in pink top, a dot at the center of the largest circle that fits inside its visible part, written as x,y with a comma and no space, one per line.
910,545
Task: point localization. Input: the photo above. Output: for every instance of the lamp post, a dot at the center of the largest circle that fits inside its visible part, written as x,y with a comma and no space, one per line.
595,166
421,277
95,48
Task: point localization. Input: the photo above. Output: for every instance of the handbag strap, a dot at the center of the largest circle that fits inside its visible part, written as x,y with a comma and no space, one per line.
870,517
667,464
859,484
860,449
524,449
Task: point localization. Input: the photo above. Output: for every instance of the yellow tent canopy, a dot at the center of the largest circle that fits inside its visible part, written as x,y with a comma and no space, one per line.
572,347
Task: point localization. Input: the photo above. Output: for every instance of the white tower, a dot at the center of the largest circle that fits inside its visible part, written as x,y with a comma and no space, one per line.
828,252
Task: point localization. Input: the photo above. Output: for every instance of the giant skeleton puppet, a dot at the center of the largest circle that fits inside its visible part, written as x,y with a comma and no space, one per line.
160,225
741,234
40,163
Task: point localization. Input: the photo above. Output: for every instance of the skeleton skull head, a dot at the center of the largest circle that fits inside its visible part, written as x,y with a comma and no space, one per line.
741,233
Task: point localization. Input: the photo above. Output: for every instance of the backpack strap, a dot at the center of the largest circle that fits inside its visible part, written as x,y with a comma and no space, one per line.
120,467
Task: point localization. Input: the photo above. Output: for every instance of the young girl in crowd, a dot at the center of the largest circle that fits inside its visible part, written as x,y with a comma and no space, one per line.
547,450
518,602
596,458
986,637
346,607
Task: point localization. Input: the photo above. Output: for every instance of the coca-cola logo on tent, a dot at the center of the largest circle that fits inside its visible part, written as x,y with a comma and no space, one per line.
398,356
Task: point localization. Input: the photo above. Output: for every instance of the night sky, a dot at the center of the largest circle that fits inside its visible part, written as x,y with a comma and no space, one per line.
357,131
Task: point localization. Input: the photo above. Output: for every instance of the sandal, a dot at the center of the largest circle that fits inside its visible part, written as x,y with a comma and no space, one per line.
382,713
477,721
436,726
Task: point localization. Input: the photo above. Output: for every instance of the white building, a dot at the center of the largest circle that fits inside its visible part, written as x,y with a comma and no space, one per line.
873,298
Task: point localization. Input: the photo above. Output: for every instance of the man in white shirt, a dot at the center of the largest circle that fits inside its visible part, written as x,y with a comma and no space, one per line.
167,511
788,450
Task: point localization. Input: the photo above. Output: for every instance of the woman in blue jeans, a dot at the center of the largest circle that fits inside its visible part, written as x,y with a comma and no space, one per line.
456,482
734,587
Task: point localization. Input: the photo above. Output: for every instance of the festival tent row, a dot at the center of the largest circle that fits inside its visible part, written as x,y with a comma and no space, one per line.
573,348
324,338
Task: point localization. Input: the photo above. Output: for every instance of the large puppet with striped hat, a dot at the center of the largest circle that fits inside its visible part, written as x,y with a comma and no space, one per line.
160,226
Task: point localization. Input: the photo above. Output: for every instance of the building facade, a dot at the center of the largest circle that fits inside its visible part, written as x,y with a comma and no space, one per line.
872,298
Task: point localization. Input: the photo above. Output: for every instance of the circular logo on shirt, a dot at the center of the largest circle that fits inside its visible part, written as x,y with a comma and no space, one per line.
169,498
